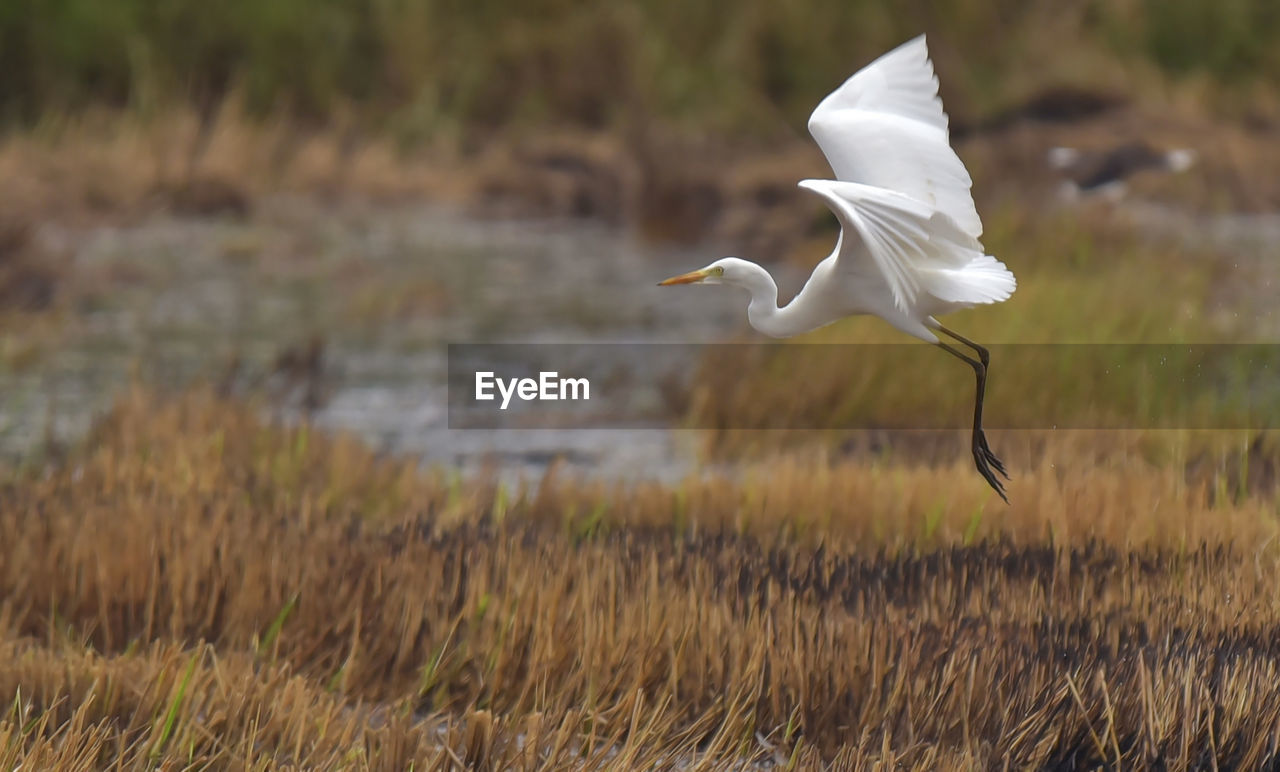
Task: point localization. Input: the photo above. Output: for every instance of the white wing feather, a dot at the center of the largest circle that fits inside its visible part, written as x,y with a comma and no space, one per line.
915,248
885,127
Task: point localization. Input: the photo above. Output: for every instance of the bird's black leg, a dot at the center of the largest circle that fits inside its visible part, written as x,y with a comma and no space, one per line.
985,357
983,458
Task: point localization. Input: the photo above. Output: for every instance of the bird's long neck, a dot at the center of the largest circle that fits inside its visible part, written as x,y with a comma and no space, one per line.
764,313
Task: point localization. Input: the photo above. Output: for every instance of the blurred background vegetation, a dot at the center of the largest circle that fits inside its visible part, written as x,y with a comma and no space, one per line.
420,69
683,123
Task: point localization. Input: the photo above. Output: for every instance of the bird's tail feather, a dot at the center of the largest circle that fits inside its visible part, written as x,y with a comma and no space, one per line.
983,280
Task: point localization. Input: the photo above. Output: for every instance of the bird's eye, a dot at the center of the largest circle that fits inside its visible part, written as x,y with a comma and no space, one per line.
719,270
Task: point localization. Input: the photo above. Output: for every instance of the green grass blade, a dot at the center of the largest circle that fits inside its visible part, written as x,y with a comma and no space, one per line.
171,716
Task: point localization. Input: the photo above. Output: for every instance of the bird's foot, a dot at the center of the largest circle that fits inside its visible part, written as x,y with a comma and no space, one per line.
990,456
984,460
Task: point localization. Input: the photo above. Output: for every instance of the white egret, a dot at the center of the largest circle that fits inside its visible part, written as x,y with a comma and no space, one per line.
908,249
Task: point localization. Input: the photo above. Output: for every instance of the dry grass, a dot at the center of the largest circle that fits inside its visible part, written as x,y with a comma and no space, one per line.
668,184
108,164
195,589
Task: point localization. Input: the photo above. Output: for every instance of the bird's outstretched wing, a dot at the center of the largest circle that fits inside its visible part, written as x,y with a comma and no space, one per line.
885,127
912,246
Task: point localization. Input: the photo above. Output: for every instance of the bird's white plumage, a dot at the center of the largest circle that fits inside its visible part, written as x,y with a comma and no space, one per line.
913,247
900,82
885,127
909,244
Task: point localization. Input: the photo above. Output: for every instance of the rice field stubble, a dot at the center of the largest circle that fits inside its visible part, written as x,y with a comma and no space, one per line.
195,589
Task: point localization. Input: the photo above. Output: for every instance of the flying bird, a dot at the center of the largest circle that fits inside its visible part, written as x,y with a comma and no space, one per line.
908,249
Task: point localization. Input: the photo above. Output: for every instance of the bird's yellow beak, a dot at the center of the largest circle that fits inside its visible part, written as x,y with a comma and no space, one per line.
686,278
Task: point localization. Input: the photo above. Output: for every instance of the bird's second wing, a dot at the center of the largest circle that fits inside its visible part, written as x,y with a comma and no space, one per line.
907,242
885,126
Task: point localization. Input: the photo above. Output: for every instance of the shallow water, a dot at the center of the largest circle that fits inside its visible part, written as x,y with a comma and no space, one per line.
171,301
381,291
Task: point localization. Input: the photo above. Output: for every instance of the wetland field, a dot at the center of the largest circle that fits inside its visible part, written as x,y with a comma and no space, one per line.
239,530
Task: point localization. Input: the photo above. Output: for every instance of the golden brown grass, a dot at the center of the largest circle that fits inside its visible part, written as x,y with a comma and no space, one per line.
669,183
195,589
109,164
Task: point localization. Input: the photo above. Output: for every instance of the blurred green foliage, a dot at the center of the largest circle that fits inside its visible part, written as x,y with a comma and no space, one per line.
418,67
1229,40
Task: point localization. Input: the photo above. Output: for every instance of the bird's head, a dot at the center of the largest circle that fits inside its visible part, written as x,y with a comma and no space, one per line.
726,270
